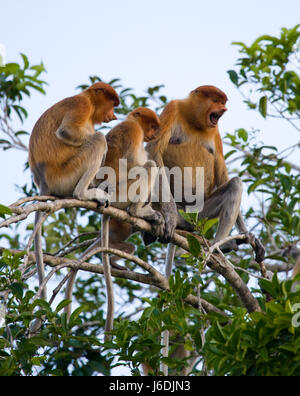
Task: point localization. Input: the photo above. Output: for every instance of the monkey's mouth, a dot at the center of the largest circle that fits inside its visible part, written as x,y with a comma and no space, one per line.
214,117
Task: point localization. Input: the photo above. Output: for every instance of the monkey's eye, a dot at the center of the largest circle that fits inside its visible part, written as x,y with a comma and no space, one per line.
98,90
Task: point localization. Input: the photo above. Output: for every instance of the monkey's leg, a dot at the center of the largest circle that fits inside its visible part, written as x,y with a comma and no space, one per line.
91,154
142,208
224,203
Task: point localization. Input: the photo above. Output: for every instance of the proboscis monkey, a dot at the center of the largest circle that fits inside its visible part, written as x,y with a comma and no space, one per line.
65,151
126,141
189,137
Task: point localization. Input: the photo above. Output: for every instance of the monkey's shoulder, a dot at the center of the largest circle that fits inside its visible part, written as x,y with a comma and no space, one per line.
124,137
62,110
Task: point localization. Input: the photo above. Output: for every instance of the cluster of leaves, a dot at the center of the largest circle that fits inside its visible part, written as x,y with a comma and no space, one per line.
268,68
139,342
268,65
265,171
15,82
262,343
61,347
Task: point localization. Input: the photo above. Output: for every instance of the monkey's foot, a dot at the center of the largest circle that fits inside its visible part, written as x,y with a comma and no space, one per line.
232,246
249,239
156,218
258,248
95,194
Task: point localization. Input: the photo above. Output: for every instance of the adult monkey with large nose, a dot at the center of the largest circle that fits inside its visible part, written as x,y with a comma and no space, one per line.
189,137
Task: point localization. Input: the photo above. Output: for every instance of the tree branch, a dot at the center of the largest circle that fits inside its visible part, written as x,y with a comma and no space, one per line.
215,262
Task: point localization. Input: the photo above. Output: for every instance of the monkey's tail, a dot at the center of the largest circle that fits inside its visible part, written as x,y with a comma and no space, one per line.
39,252
107,276
35,326
69,292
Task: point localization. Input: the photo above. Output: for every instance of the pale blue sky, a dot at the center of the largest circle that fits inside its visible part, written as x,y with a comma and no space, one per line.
181,44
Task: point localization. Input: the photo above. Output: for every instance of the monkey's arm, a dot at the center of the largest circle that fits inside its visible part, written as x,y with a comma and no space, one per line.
75,126
168,209
156,149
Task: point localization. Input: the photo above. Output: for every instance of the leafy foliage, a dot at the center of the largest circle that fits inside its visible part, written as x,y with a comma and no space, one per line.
15,82
270,64
261,343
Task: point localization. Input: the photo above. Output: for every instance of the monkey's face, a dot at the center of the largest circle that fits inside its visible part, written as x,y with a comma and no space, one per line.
208,106
108,113
148,121
151,133
216,108
104,98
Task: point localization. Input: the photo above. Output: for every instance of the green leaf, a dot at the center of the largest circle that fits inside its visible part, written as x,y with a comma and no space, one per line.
262,107
209,224
62,305
194,245
17,289
4,210
73,318
243,134
25,60
233,76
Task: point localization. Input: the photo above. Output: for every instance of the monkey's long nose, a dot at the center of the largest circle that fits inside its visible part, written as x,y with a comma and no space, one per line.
114,117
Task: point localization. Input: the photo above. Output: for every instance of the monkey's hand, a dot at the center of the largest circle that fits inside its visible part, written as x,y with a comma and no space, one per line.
165,227
249,239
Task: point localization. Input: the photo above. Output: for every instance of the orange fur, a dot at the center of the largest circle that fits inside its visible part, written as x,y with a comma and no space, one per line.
78,115
126,141
65,152
187,135
127,138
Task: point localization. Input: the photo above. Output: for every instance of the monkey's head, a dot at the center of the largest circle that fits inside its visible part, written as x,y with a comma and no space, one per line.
208,106
149,122
104,98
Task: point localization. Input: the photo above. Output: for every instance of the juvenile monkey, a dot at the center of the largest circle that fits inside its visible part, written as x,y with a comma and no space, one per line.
126,141
65,152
